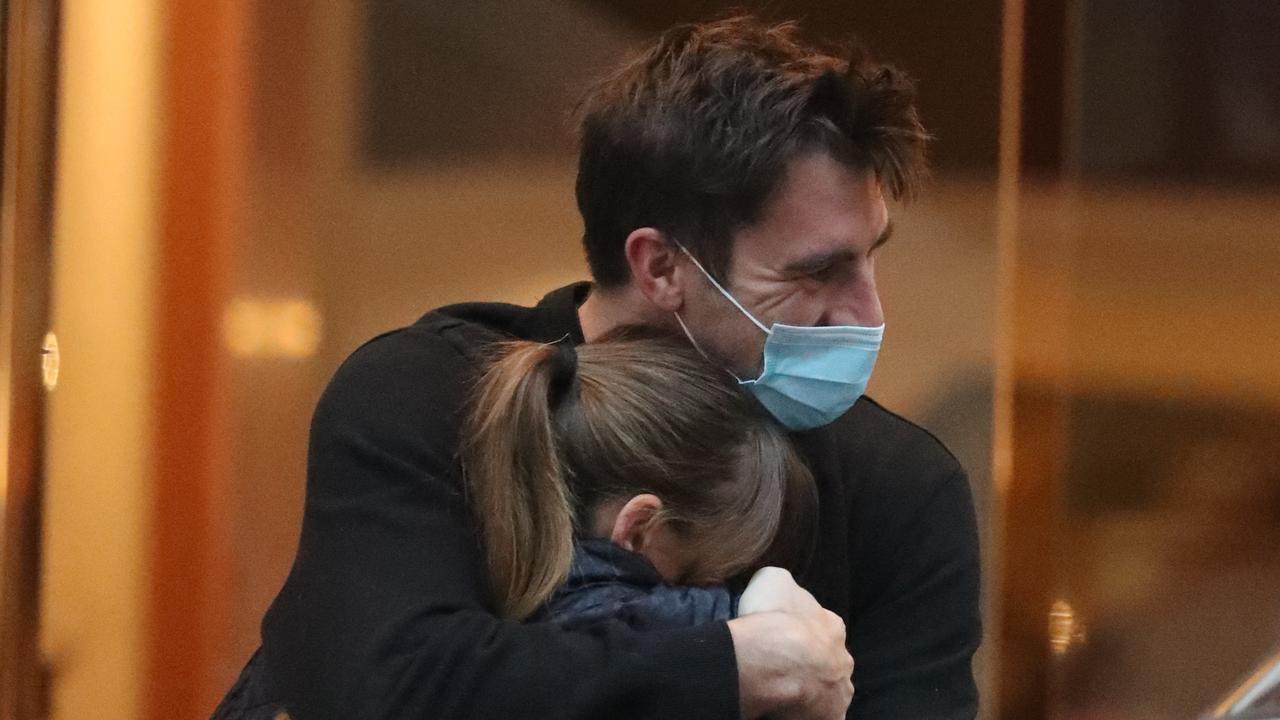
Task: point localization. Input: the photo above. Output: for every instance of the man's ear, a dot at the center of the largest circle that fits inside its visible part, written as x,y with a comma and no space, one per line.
655,266
636,518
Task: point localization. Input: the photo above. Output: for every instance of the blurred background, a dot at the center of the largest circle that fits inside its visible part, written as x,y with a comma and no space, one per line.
208,205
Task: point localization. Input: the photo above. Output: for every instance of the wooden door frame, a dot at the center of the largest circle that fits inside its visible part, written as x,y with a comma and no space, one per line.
202,175
26,230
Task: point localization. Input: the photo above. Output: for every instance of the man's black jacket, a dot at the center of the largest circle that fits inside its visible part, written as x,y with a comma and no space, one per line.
387,612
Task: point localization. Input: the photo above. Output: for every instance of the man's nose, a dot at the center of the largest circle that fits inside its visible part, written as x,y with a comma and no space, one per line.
857,306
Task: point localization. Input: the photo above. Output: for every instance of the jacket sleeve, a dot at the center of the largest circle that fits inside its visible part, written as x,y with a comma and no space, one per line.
669,606
387,612
917,604
657,608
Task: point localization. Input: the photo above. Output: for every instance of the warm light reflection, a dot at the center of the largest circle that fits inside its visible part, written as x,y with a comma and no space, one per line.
1065,629
50,361
289,328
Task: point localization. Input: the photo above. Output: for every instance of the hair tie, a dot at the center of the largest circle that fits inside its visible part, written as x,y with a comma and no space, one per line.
564,369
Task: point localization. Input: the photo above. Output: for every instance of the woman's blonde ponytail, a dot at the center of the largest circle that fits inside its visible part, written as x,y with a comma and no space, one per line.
516,476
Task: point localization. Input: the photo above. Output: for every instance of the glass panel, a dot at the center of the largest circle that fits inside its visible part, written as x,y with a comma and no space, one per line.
1147,477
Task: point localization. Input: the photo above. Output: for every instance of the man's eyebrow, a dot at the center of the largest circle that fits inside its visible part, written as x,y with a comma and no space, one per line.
819,261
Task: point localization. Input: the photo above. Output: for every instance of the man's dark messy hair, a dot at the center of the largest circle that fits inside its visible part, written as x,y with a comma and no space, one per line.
693,136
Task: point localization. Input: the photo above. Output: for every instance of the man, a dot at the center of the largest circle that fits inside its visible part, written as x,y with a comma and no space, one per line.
732,185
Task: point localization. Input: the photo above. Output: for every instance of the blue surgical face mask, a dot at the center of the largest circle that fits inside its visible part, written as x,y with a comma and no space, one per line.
810,375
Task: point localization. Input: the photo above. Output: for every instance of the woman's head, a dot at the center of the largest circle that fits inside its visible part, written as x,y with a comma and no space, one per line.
635,437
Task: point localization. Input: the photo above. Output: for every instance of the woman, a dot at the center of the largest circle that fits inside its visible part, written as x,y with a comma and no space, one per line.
626,479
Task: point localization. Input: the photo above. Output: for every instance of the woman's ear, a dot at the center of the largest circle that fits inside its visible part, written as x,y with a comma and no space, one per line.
635,521
655,268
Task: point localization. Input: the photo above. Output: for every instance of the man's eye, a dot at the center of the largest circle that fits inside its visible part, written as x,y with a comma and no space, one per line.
823,274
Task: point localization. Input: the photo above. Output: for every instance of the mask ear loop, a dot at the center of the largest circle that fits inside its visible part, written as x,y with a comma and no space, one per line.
689,335
723,292
703,353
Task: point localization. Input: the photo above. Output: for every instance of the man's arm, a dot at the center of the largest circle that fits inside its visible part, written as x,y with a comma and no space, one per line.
387,612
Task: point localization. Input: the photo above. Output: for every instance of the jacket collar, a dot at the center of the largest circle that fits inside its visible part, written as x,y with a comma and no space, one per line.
598,560
556,315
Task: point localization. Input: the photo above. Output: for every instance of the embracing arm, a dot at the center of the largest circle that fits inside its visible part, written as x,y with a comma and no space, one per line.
387,611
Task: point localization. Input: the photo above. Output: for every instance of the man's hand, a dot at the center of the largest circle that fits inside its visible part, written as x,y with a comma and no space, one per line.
792,660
